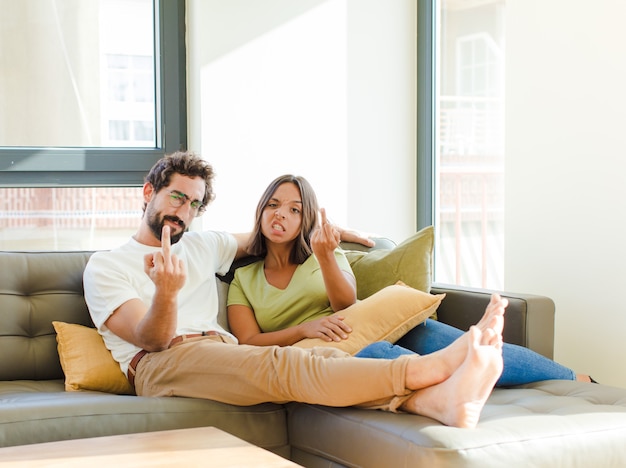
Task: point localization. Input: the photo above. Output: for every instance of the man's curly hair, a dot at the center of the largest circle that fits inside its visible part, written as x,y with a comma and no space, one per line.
184,163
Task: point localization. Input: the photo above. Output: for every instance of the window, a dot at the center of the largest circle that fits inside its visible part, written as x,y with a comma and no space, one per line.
461,145
93,93
130,92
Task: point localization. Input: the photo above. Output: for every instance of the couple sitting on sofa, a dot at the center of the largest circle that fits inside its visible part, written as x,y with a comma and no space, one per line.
154,302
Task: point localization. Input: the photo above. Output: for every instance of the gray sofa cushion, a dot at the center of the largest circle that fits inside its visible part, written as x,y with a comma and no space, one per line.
550,423
35,289
41,411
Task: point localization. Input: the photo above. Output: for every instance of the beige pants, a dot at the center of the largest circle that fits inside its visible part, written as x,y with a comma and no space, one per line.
210,368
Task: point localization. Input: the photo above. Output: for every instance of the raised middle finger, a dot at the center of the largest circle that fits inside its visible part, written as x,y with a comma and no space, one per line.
166,244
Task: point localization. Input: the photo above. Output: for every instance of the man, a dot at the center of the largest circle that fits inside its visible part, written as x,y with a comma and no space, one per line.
154,301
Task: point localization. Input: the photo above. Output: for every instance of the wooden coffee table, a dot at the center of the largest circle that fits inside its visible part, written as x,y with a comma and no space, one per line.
203,446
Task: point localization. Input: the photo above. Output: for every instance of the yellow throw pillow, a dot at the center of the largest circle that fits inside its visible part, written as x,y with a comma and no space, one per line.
386,315
409,262
86,362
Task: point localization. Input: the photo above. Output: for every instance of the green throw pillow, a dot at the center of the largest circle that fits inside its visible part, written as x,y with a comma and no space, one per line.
409,262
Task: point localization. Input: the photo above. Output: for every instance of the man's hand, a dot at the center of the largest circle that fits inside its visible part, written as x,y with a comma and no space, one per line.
152,326
166,271
353,236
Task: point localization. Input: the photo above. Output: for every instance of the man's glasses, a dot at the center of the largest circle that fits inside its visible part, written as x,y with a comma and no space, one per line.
178,199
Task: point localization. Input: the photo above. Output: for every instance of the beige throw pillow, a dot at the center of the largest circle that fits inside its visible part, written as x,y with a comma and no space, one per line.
386,315
86,362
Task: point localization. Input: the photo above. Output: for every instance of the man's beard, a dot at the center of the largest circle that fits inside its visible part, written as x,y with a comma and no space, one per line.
156,223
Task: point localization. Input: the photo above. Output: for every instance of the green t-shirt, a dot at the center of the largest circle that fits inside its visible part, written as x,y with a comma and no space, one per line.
275,309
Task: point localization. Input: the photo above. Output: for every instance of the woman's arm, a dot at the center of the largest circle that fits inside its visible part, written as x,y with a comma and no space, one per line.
244,326
340,285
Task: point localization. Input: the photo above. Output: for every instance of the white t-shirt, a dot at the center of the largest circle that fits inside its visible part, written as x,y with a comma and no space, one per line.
117,276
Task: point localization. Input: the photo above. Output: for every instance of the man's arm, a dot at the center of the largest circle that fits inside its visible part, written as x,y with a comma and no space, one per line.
353,236
152,328
243,239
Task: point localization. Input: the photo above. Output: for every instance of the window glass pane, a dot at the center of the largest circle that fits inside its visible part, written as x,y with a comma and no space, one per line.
469,206
68,218
143,130
119,130
69,68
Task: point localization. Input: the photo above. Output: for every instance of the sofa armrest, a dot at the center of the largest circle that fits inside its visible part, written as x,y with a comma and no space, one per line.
529,319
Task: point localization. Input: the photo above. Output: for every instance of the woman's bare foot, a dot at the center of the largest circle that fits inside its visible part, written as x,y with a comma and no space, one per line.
459,400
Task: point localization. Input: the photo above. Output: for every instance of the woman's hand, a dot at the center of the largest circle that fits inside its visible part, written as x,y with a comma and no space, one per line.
340,285
330,328
325,239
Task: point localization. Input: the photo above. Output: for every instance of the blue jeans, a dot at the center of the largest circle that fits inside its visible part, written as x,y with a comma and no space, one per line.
521,365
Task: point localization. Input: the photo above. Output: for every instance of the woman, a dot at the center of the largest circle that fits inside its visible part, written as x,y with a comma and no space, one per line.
291,294
303,278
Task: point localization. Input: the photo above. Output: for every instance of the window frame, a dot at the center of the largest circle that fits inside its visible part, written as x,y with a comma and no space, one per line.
426,111
117,166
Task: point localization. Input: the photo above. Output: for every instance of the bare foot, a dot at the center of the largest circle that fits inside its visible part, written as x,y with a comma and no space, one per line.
459,400
496,308
583,378
440,365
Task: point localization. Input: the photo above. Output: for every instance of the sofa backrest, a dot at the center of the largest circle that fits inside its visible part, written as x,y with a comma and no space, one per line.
37,288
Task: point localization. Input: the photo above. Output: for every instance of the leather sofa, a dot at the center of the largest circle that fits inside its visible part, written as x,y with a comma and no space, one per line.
551,423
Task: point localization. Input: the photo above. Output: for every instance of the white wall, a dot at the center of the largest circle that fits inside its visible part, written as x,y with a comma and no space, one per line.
382,116
565,173
318,88
565,190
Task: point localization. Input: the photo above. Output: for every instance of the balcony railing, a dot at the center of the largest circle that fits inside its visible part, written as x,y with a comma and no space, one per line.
470,193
